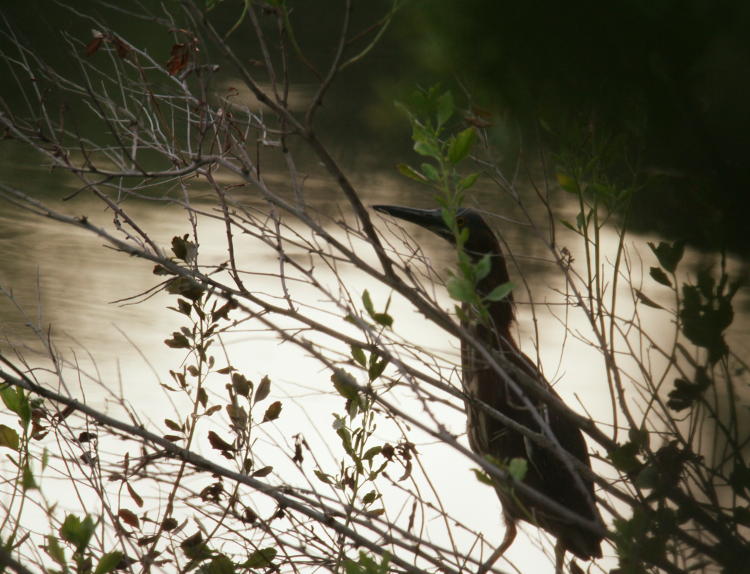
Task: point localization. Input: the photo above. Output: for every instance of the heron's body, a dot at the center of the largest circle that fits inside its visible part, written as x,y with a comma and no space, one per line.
546,472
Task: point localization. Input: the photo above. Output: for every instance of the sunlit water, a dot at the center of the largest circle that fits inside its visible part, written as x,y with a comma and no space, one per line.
67,284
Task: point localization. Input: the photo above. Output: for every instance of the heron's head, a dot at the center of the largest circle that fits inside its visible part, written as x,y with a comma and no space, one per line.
481,238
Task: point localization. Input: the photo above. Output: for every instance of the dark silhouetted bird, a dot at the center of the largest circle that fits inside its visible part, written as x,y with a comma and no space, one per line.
546,472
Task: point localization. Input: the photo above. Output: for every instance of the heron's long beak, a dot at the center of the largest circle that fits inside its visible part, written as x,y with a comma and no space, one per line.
431,219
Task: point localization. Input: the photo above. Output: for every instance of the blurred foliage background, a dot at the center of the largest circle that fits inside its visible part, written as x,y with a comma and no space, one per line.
658,89
668,81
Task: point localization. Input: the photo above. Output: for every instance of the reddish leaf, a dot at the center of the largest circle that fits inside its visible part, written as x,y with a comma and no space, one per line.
135,496
129,517
178,59
122,48
94,45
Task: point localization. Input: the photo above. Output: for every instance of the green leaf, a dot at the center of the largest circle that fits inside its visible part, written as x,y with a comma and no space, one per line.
376,369
421,133
367,302
8,437
371,452
76,531
483,267
194,547
370,497
260,558
462,238
468,182
366,564
445,108
570,226
322,476
581,221
358,355
500,292
108,562
346,440
430,172
411,173
345,384
427,149
659,276
517,468
17,401
460,146
383,319
460,289
567,183
55,551
28,482
220,564
483,477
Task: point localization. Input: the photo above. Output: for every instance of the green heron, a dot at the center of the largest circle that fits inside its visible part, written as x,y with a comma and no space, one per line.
546,471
